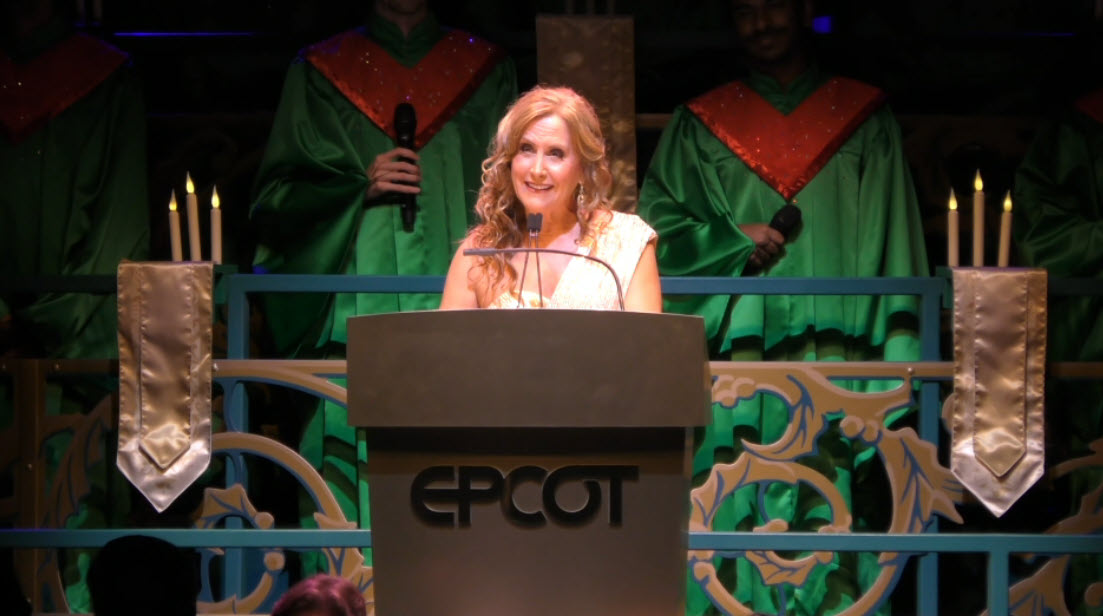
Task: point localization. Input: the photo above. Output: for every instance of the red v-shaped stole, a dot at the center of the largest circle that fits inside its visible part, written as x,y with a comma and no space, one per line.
47,85
1092,105
438,87
787,151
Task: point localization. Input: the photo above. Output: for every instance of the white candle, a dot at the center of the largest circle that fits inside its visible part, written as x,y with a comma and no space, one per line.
195,252
174,230
952,233
216,228
1005,233
978,221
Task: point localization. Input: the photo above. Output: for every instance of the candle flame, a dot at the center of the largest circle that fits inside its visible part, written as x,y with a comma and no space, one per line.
977,183
1007,202
214,198
953,200
190,187
172,202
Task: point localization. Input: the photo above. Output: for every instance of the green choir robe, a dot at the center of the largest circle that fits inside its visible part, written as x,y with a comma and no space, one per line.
313,218
860,218
310,209
74,203
1058,225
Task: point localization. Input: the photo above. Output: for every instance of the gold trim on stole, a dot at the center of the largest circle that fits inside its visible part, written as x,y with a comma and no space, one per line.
996,413
165,317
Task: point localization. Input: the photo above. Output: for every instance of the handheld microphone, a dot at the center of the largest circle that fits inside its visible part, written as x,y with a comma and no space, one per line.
405,127
487,252
784,221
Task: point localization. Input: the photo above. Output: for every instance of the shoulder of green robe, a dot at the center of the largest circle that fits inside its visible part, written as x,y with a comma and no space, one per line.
438,86
53,81
1091,105
787,150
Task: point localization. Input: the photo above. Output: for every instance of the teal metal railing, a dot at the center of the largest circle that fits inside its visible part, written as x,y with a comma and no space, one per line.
933,293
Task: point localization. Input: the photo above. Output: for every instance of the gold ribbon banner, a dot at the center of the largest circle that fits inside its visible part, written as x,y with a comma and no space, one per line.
165,317
996,412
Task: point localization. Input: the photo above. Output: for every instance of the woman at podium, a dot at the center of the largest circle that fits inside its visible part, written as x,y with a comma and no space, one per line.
547,235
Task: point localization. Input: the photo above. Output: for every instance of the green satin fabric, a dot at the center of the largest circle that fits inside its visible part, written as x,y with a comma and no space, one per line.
74,202
310,209
313,218
860,218
1058,225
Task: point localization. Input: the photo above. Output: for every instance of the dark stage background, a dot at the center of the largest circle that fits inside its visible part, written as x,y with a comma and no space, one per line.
969,80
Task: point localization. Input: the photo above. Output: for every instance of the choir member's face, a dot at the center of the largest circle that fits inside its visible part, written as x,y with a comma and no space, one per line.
402,7
769,30
546,170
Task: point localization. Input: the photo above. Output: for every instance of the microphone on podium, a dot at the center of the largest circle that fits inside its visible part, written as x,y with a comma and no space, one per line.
784,221
534,223
405,127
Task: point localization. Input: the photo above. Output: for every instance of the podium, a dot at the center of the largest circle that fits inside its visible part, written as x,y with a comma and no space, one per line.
528,462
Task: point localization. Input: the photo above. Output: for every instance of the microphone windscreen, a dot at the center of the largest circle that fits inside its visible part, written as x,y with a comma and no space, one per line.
405,125
786,219
534,222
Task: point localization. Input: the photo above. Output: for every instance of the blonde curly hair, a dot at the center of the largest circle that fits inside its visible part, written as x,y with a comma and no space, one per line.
501,214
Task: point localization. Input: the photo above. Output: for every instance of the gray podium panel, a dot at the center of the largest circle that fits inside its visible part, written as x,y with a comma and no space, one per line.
479,367
524,521
528,462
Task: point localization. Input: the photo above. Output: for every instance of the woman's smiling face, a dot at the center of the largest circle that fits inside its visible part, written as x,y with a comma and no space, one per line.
546,170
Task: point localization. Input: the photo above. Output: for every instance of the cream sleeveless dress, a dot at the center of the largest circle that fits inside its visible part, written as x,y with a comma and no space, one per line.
586,285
